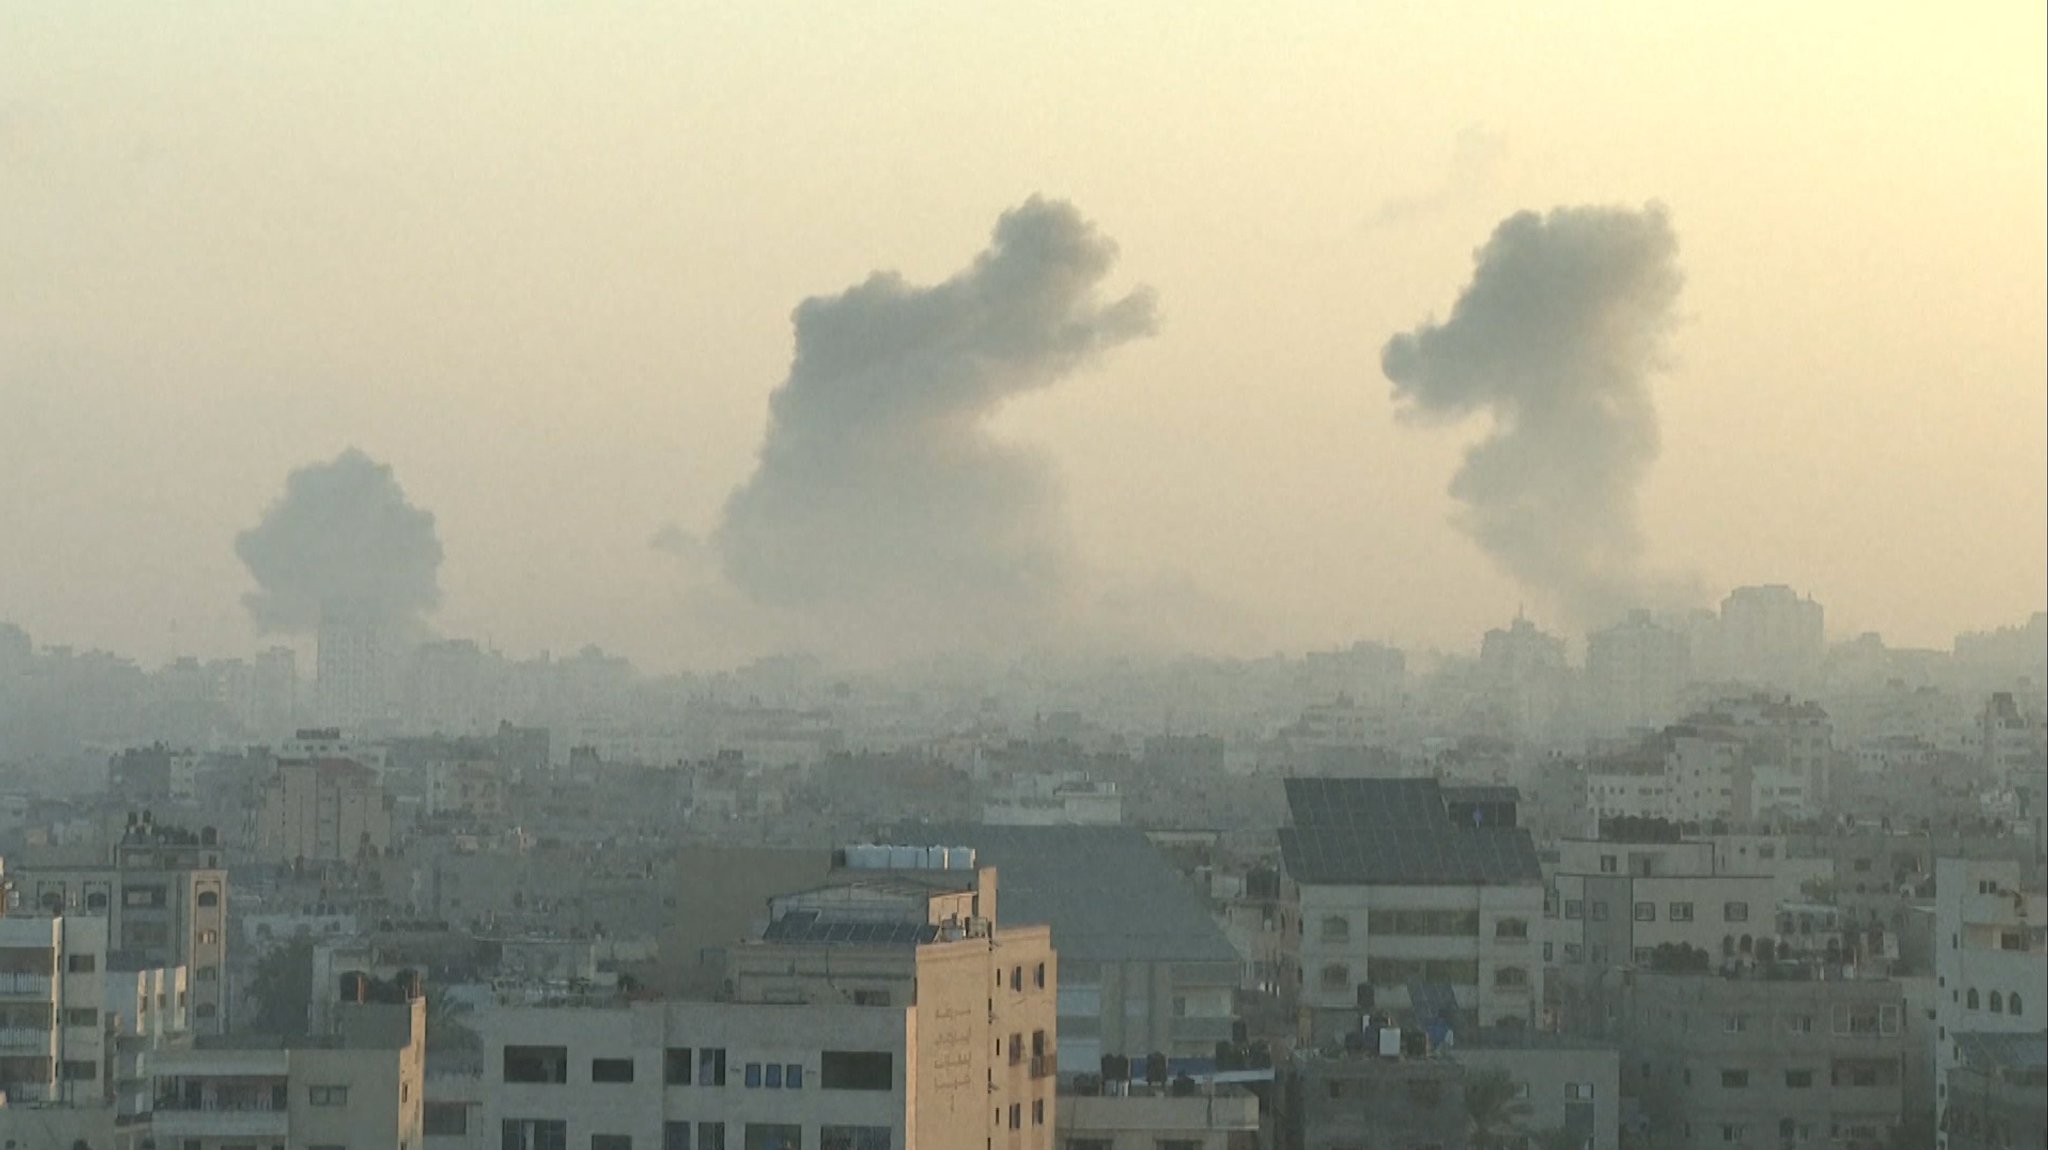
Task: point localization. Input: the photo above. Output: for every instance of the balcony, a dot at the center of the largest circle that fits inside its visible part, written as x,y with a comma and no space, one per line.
19,985
250,1123
24,1038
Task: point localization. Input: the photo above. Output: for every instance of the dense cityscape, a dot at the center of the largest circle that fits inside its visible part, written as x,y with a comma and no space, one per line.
1701,879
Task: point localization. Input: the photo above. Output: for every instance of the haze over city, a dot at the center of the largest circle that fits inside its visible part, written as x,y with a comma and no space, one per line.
881,332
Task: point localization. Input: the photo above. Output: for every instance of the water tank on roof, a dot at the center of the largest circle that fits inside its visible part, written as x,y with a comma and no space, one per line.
960,858
905,857
935,858
865,856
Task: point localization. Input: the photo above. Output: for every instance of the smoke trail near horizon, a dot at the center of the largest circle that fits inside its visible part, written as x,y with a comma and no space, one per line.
341,540
881,512
1555,338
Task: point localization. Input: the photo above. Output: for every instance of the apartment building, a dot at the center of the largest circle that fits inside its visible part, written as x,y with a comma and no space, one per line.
360,1085
77,1031
165,901
1996,1096
1615,903
323,810
1636,672
884,1008
1405,882
1753,1061
1567,1083
1144,1117
1990,964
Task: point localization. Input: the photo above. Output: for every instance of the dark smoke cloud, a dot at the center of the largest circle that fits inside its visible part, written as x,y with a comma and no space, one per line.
341,540
881,513
1556,339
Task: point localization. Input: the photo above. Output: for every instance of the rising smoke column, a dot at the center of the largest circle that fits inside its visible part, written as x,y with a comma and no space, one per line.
342,542
881,513
1555,339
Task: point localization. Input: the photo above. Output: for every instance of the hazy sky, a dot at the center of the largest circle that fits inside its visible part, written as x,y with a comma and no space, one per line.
541,259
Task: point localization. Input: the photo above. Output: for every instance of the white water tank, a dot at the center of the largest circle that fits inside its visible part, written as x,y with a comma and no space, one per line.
905,857
959,858
935,858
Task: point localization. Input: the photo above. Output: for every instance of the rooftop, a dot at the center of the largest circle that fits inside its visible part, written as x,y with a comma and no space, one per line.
1401,832
1107,892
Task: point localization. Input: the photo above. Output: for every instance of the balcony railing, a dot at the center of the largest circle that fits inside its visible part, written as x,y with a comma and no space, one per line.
17,985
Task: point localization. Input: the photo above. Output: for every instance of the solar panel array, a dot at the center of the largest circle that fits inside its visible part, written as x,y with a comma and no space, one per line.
1395,832
807,927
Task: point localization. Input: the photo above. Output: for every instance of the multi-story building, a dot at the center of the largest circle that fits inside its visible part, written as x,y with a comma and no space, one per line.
165,902
1360,1097
360,1085
1636,673
1522,671
1405,882
1997,1093
1771,635
1762,1062
323,810
1990,964
885,1008
1565,1083
1216,1117
1615,903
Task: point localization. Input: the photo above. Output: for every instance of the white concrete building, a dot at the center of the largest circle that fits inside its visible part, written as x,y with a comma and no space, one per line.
1407,883
1990,961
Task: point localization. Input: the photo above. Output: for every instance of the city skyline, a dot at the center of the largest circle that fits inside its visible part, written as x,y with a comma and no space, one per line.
549,280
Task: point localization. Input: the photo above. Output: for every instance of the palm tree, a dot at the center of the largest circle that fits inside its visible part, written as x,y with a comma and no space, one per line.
1494,1106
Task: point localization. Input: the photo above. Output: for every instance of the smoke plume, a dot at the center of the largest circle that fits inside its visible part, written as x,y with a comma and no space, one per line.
881,513
342,540
1555,339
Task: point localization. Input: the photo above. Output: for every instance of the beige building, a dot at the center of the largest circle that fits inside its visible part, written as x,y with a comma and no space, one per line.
884,1008
360,1086
1614,903
165,901
323,810
1216,1117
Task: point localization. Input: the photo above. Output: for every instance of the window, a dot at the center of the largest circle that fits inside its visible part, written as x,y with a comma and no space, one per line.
1646,912
675,1136
1997,1003
81,963
611,1142
1734,1079
853,1138
1016,978
1336,976
2012,1005
1016,1116
84,1070
1578,1091
1735,912
1609,864
856,1070
710,1136
1038,1112
143,896
1574,908
1336,928
753,1076
1038,976
710,1069
209,898
675,1066
1970,999
537,1064
1735,1023
535,1134
444,1118
1799,1024
81,1016
1511,977
206,974
1799,1079
772,1136
1599,910
1733,1132
327,1095
793,1076
1511,928
611,1070
1681,912
1573,952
